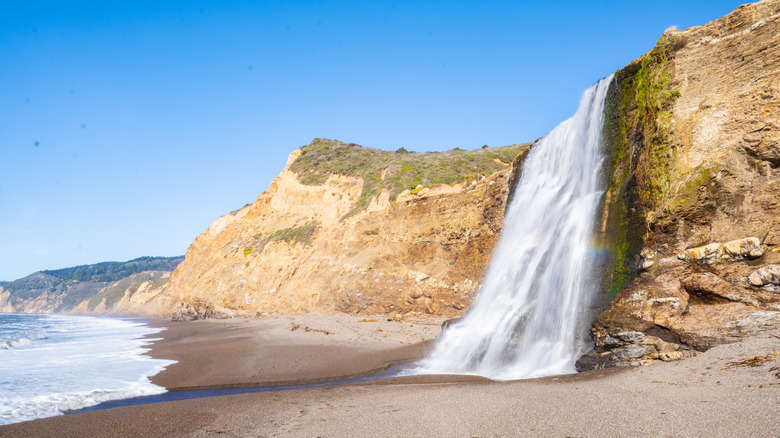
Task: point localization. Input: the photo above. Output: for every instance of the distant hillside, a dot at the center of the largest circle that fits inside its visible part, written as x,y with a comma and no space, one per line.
63,289
114,271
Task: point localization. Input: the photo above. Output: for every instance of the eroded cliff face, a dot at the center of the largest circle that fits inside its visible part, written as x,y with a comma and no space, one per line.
693,207
302,248
139,294
691,211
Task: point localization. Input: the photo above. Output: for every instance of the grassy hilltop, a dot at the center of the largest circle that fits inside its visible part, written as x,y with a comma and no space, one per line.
397,171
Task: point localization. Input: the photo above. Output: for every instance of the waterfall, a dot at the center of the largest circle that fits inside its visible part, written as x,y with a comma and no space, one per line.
528,319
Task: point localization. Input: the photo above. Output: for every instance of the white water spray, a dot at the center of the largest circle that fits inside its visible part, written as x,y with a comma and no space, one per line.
525,321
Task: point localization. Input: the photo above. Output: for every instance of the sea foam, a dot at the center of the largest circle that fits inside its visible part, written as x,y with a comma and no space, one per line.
52,364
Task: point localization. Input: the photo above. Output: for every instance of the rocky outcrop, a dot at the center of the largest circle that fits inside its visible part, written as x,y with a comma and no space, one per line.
682,308
693,207
768,275
741,249
198,309
380,237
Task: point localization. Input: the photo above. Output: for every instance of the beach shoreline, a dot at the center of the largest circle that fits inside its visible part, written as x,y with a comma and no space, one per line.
702,395
285,350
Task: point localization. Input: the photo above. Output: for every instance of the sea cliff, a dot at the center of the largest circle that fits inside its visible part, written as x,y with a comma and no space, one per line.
392,233
692,209
690,215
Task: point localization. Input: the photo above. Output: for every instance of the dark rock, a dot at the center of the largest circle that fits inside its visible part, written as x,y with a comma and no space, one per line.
449,322
593,361
192,312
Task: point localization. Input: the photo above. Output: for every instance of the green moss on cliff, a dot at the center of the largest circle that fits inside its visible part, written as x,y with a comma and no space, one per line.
685,195
640,155
654,97
402,169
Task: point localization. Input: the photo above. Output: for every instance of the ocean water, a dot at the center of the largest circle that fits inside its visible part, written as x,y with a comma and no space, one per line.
52,364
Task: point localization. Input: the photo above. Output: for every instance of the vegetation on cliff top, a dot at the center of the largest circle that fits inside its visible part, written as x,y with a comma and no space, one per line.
402,169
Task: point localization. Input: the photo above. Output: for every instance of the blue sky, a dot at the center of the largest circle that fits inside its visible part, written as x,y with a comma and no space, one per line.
127,127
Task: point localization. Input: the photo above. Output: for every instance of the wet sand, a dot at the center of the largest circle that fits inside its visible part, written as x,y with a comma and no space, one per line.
700,396
287,350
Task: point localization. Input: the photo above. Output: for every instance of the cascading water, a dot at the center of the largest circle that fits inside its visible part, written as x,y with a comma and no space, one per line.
524,323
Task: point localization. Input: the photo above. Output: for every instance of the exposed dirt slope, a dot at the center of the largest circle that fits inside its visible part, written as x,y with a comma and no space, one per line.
304,248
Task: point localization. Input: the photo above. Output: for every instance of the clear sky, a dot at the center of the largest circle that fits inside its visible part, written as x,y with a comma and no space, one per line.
127,127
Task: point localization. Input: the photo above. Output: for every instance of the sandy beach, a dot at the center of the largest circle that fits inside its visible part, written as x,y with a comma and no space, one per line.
702,396
286,350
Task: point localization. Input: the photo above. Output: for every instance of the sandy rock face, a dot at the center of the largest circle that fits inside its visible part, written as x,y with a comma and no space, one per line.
710,221
139,294
768,275
683,308
295,250
740,249
5,306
